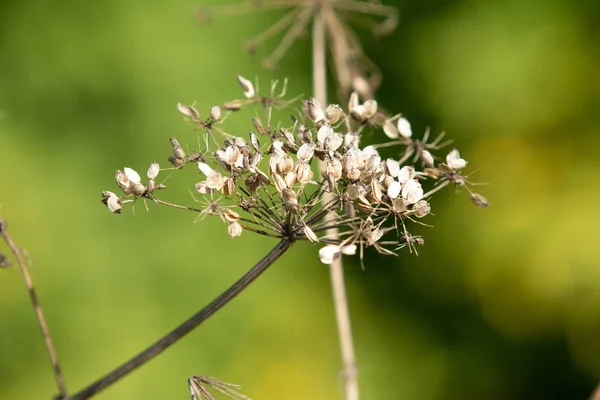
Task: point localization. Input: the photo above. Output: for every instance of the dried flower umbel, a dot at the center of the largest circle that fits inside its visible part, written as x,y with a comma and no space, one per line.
263,181
354,71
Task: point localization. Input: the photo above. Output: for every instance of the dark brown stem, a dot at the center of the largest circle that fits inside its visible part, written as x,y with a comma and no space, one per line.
186,327
37,308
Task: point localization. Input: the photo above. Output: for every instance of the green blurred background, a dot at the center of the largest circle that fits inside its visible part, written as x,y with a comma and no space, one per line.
502,303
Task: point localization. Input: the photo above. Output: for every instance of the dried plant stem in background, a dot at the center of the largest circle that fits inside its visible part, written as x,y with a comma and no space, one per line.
336,269
37,308
596,394
186,327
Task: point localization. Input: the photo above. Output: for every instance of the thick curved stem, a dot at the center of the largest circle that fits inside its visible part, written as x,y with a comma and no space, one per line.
186,327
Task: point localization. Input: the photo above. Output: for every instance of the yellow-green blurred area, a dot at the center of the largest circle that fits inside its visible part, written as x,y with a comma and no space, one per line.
501,303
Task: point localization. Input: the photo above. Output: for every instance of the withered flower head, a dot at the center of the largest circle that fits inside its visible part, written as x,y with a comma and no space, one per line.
264,182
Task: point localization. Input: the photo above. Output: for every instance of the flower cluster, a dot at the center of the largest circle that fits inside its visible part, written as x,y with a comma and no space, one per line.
267,182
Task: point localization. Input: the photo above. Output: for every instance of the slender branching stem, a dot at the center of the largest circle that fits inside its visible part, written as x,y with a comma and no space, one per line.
37,308
186,327
340,300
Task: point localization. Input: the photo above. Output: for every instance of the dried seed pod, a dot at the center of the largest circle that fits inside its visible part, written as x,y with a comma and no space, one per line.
114,205
329,254
234,229
258,125
153,170
228,186
454,161
288,197
310,234
412,191
215,113
189,111
123,181
279,183
252,183
234,105
231,216
333,113
390,129
404,128
312,109
393,190
421,208
176,162
353,102
427,158
370,108
254,142
291,179
247,86
479,200
202,188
